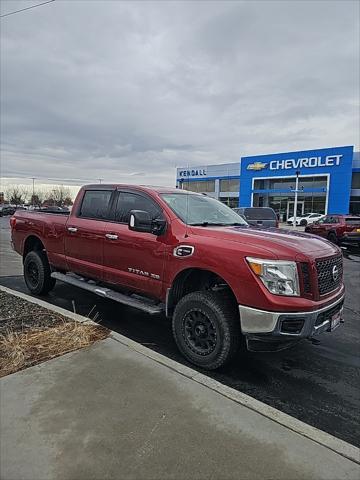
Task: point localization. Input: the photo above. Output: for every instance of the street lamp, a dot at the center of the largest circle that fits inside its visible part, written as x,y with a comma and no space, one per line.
33,190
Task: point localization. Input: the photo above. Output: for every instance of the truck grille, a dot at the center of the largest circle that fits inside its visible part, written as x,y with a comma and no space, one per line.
306,277
330,272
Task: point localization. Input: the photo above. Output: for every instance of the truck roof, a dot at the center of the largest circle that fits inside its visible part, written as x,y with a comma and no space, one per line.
147,188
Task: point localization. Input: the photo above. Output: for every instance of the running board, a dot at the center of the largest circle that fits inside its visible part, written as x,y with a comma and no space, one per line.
141,303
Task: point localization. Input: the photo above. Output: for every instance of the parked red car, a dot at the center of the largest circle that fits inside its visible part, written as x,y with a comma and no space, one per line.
191,257
335,228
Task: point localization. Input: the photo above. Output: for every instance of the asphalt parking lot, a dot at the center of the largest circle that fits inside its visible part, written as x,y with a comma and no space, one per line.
317,383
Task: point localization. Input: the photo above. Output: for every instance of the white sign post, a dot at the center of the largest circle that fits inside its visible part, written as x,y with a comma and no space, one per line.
296,197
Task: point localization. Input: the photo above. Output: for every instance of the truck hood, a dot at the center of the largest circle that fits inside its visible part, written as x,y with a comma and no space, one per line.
280,243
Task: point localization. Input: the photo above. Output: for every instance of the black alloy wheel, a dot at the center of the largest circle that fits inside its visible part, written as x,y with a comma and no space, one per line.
32,273
199,332
206,328
37,273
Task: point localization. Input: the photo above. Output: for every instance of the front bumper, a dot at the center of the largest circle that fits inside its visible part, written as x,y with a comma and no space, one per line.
280,329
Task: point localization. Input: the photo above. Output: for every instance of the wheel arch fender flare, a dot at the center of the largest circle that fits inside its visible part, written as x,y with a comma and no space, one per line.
192,279
32,242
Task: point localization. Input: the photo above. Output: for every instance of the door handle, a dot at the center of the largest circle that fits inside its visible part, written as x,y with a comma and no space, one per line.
72,229
111,236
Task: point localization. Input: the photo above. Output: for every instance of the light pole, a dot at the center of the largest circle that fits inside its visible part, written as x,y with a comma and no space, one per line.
296,197
33,191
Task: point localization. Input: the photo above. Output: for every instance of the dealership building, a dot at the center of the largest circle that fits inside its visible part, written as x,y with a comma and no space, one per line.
328,181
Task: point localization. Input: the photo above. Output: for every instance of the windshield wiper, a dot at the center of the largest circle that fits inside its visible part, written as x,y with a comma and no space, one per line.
207,224
216,224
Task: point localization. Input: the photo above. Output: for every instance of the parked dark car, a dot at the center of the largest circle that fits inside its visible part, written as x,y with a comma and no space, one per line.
6,210
335,228
258,216
54,209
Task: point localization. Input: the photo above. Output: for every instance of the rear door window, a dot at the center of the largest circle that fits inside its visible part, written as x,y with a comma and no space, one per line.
96,204
132,201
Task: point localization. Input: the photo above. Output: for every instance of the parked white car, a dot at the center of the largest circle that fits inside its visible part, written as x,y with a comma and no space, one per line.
306,219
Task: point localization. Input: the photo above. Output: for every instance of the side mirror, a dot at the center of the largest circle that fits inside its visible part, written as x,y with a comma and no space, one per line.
140,221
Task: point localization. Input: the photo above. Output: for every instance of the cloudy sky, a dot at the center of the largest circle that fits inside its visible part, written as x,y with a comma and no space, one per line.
126,91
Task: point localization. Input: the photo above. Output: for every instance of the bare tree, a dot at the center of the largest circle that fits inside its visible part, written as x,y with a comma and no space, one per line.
37,198
16,194
59,196
68,201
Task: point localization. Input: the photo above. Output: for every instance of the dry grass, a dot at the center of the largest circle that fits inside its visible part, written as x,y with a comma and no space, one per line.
22,349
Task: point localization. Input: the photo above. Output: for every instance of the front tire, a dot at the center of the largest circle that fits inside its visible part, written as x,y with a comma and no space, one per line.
332,238
303,223
37,273
206,328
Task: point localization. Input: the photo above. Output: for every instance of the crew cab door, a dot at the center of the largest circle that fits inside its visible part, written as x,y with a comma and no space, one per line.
84,235
133,260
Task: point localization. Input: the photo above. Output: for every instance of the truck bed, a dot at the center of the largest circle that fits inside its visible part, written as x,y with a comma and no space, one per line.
48,226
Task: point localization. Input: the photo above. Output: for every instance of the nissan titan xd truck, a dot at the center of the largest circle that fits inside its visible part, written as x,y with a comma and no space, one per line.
222,283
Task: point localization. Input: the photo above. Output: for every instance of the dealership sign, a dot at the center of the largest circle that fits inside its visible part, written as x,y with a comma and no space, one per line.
197,172
291,163
256,166
334,162
307,162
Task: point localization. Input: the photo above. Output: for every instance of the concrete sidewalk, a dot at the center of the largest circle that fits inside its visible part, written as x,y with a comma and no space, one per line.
111,412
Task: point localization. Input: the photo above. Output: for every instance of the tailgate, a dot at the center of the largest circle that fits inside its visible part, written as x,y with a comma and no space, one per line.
352,224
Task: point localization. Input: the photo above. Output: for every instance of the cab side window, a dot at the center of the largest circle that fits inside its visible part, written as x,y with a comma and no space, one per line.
132,201
95,204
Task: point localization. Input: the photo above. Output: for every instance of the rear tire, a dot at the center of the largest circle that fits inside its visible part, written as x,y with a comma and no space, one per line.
332,238
37,273
303,223
206,328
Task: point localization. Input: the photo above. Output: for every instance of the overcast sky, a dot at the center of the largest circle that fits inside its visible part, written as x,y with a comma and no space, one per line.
126,91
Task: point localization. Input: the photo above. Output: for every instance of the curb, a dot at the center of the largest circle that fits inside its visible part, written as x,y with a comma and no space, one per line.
312,433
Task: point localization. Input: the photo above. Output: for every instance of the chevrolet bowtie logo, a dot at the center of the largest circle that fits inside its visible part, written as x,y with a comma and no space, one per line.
256,166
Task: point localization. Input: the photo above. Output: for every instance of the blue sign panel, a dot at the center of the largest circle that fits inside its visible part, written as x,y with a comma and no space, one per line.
335,162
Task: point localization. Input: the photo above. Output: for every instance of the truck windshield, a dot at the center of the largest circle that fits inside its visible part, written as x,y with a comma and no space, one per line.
201,210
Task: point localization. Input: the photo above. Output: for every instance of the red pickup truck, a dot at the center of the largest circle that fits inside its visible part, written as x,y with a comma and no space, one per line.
339,229
191,257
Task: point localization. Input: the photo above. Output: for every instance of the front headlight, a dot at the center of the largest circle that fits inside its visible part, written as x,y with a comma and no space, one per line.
279,276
